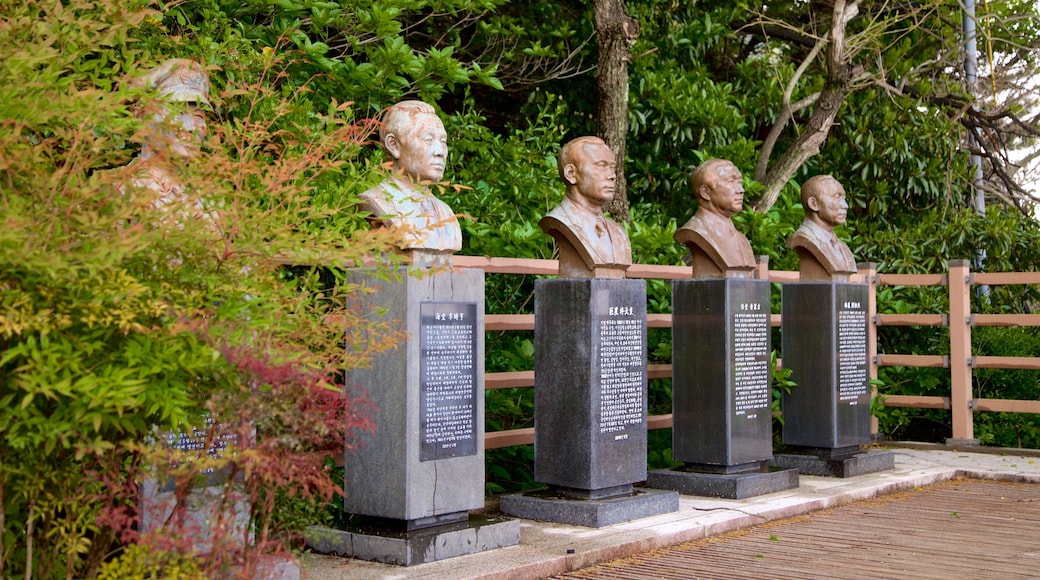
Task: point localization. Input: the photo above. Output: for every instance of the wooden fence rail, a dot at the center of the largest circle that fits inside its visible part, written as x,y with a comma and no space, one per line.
958,281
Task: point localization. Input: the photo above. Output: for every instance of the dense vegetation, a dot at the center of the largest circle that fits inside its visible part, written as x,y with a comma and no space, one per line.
114,324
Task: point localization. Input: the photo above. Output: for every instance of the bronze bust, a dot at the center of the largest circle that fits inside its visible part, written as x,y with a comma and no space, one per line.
414,138
717,249
178,124
590,245
821,255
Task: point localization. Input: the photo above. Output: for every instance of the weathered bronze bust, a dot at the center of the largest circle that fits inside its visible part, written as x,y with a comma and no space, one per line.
177,132
415,141
717,249
821,255
590,245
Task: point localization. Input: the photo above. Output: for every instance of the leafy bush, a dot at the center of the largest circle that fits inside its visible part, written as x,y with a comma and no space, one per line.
125,316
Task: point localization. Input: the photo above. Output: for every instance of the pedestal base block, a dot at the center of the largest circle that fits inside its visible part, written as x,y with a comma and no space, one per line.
724,485
548,506
860,463
421,546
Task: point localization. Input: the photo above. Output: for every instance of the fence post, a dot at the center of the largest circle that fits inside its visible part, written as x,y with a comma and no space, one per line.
961,400
762,267
868,270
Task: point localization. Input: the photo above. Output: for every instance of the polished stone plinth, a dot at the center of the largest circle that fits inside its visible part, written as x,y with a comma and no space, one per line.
721,391
426,456
725,485
549,506
590,406
590,397
836,465
824,344
384,543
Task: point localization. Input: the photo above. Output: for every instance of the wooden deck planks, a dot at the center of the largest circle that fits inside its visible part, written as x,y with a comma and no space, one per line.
963,528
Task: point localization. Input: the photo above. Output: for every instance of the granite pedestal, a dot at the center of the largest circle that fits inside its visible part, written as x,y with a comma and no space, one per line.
215,516
721,391
827,412
590,405
411,484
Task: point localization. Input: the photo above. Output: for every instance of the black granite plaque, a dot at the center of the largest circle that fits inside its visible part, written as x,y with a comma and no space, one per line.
721,394
825,346
448,380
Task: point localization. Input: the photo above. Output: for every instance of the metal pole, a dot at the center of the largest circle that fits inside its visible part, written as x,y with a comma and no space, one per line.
971,59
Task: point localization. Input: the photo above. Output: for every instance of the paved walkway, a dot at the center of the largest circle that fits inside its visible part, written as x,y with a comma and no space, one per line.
546,549
964,528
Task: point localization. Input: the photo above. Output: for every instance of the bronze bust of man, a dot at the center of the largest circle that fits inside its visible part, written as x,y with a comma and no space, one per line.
415,141
717,249
179,127
821,255
590,245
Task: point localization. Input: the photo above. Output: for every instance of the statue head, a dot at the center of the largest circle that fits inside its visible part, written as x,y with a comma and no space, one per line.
823,199
718,187
182,128
588,167
414,137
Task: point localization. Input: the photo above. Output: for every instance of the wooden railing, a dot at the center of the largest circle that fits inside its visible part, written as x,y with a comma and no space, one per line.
960,360
960,321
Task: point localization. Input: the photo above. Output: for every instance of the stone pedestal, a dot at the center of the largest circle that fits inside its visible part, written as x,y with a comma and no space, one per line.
827,413
590,405
423,469
721,391
215,516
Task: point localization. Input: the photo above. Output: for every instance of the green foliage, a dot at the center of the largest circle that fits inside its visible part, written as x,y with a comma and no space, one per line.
127,311
373,53
139,562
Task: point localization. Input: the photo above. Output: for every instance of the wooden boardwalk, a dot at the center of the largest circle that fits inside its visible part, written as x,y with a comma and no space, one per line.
965,528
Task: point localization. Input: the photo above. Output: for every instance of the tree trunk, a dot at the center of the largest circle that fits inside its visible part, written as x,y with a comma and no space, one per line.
616,32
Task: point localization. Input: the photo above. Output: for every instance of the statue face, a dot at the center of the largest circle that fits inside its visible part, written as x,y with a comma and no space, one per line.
726,195
596,173
422,150
181,133
832,207
190,129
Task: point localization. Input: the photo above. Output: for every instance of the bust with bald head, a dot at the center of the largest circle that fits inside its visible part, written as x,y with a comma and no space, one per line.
821,255
717,249
590,245
415,142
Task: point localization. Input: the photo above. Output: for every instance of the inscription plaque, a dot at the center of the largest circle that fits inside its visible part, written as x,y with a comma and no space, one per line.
751,349
621,372
448,380
852,352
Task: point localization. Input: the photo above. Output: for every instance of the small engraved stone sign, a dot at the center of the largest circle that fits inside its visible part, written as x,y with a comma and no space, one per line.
195,441
448,380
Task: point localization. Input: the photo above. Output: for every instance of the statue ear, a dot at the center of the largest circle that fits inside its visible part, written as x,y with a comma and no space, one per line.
814,204
570,174
704,192
392,146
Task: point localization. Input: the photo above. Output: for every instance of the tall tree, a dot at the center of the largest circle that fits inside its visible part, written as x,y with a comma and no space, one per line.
616,32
